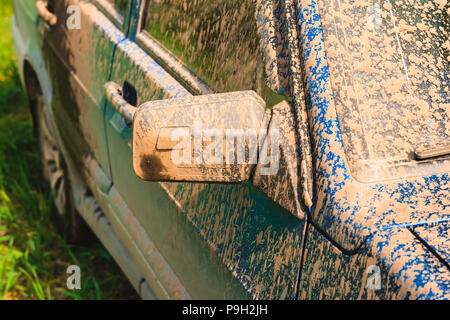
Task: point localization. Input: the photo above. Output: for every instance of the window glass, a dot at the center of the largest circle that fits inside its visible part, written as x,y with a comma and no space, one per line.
218,40
119,5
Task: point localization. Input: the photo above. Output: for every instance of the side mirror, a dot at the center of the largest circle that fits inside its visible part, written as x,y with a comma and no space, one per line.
209,138
228,137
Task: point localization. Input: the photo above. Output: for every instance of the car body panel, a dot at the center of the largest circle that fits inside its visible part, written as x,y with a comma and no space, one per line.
348,211
200,240
393,264
150,267
437,238
79,64
390,85
368,223
218,220
230,219
26,42
159,214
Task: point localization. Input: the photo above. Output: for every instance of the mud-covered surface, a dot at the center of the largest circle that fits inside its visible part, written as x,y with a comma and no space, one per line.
358,210
79,63
246,49
438,238
392,265
389,73
272,30
258,241
347,210
202,158
283,187
291,187
217,40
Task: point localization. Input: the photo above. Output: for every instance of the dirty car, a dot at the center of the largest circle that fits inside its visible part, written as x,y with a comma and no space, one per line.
241,149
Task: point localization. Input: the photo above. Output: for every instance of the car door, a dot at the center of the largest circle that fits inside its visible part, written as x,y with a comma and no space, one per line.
221,240
78,51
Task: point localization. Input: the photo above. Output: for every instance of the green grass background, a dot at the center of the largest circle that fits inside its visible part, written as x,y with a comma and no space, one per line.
33,257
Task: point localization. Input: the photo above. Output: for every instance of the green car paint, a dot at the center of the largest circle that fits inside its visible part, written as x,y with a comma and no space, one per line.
185,240
254,238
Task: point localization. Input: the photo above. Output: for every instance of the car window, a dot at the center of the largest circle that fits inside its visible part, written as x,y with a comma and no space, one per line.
119,5
217,40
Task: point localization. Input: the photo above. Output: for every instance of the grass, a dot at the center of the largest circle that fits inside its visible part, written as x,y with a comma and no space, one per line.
33,256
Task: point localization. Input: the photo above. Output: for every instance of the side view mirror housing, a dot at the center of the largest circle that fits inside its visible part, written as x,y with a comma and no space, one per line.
227,137
209,138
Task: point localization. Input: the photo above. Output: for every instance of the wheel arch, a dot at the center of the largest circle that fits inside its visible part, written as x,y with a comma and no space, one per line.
33,90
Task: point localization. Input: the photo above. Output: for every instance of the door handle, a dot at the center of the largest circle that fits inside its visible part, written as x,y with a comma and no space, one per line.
45,14
115,97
